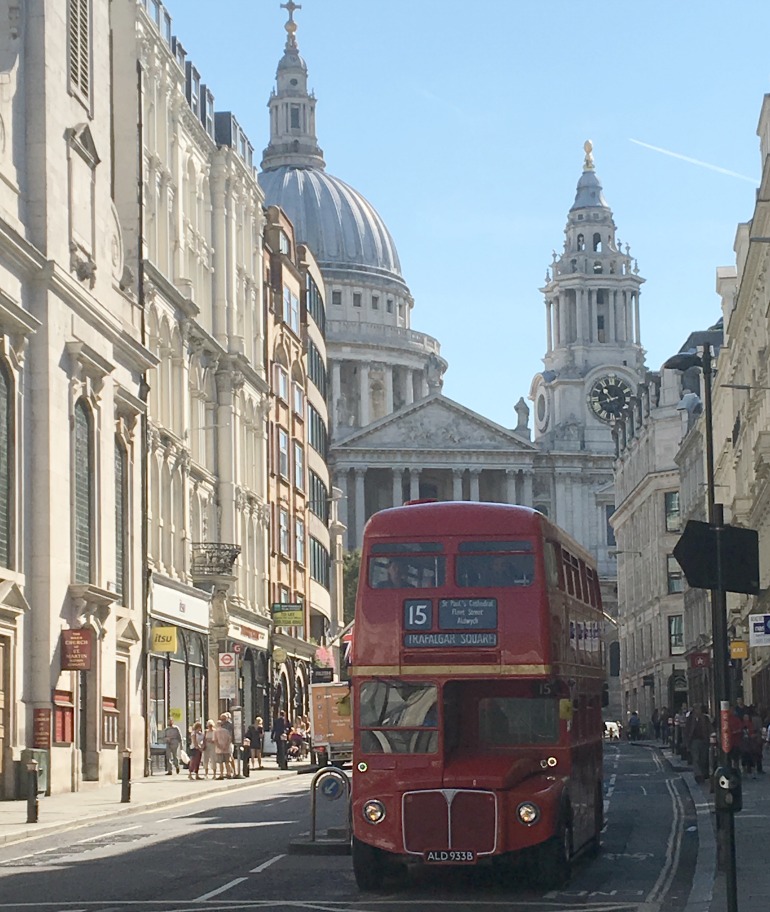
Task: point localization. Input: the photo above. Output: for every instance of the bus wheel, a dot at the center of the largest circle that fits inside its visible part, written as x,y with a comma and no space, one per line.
554,857
368,867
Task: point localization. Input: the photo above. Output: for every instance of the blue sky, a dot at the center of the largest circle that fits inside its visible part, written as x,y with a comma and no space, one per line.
463,124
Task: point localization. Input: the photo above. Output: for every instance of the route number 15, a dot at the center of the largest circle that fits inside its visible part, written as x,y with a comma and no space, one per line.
418,614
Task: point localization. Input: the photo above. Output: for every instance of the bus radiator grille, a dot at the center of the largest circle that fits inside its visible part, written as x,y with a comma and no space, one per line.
458,819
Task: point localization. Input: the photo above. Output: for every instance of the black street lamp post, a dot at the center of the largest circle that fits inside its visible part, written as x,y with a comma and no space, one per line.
721,663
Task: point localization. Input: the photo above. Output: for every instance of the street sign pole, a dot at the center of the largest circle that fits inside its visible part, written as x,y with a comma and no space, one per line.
725,819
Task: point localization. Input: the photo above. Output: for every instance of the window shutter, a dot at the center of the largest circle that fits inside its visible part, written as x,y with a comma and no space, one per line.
83,495
80,46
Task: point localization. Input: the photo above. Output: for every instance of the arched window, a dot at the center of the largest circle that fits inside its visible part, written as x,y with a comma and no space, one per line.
121,521
597,267
84,509
6,466
597,243
581,243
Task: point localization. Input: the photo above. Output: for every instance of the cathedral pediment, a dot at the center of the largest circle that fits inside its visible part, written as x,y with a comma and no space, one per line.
435,423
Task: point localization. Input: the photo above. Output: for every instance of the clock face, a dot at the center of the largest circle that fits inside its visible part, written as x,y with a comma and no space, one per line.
609,396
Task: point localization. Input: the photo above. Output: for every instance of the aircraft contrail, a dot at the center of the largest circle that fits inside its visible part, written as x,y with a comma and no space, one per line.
694,161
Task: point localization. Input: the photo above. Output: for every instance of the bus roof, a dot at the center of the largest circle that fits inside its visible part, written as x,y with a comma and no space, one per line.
462,517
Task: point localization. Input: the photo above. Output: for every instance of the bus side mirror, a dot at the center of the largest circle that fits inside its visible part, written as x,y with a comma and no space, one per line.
728,792
605,694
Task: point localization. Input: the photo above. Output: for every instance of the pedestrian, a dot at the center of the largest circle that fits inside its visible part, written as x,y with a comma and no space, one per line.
227,722
634,726
196,751
697,732
255,735
280,735
664,726
223,741
172,737
209,751
656,722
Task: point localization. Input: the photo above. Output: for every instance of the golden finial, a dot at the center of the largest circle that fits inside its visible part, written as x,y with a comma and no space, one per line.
291,25
589,149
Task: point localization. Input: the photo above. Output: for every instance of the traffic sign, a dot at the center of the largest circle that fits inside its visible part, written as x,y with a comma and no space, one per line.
696,553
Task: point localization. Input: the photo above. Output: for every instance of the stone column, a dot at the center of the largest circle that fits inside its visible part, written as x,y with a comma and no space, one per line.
475,473
549,324
341,481
388,389
457,484
510,485
612,296
414,484
563,337
409,387
425,389
336,391
398,486
580,321
358,532
363,394
526,494
637,330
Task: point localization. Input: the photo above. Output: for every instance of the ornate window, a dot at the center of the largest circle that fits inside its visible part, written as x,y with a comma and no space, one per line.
83,499
6,466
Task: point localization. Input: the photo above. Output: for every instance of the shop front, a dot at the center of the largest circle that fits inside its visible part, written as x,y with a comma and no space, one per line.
177,665
292,669
249,641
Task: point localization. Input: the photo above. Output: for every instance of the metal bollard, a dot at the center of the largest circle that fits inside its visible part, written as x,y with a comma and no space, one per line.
246,761
125,789
32,804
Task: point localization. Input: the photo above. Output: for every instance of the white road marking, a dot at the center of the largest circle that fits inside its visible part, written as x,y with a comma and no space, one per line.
266,864
243,824
673,847
222,889
644,790
107,835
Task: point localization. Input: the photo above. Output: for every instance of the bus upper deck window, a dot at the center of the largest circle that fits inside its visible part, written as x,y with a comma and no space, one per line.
495,570
407,571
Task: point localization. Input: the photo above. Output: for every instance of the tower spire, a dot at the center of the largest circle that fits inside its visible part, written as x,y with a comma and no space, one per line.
293,142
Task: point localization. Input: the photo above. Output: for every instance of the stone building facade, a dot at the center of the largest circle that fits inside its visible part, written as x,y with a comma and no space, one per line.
73,369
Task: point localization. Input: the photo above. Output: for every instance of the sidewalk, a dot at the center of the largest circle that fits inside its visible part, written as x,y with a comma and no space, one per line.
77,809
752,827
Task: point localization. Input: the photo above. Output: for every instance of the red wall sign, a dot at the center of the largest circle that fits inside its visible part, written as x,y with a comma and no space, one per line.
76,649
41,729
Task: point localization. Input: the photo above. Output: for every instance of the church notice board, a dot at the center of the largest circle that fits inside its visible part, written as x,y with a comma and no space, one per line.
77,649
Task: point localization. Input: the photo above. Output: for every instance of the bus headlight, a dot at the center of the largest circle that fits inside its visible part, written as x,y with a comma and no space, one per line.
528,813
374,811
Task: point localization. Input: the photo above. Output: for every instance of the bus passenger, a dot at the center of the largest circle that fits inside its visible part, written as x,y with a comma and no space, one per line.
398,573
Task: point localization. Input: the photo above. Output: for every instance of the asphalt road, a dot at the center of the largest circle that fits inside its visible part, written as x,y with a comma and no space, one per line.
231,851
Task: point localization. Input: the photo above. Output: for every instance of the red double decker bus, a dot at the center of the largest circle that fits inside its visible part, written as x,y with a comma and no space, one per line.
478,682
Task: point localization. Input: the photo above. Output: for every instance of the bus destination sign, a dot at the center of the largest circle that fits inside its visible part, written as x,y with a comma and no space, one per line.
448,638
467,614
462,622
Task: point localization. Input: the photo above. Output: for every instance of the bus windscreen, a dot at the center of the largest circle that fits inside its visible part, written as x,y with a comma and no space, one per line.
506,721
398,717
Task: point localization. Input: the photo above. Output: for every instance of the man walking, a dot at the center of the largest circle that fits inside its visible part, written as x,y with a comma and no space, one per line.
697,732
172,737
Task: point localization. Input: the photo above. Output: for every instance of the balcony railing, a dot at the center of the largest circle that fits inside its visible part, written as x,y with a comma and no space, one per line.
211,559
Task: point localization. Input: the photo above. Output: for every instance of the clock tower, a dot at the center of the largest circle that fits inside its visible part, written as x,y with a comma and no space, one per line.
594,359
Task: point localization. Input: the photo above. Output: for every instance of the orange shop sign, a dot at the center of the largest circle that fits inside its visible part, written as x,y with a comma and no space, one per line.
739,649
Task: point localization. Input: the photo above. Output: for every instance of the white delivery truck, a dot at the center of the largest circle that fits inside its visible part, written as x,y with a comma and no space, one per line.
331,723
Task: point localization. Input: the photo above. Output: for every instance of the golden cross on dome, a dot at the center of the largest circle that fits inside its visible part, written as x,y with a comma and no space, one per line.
290,6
